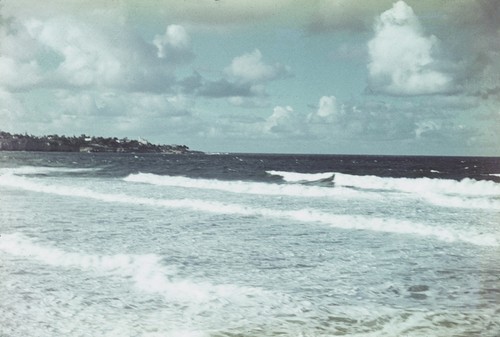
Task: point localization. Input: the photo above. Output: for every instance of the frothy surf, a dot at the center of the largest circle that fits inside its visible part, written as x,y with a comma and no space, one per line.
206,306
153,255
43,170
467,193
146,271
244,187
356,222
466,187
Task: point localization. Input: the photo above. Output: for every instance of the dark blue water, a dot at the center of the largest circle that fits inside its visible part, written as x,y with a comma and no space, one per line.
253,167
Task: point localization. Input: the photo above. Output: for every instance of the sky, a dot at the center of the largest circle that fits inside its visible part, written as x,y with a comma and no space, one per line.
413,77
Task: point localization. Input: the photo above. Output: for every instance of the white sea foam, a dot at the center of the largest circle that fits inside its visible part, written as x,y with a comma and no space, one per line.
190,307
424,323
305,215
463,201
392,226
468,187
146,271
294,177
467,193
33,170
244,187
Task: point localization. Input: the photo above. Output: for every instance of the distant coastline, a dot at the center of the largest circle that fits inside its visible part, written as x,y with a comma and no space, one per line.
84,143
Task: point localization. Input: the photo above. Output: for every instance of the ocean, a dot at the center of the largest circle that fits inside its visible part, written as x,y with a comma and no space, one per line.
248,245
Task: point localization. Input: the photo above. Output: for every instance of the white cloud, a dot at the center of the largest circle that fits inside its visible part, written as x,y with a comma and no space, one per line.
109,104
15,74
87,55
402,61
66,51
18,66
284,120
245,82
174,45
249,68
328,111
113,113
16,42
281,115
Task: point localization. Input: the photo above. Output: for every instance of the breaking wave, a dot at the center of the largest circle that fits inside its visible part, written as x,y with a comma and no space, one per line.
244,187
146,271
467,193
295,177
341,221
197,302
41,170
468,187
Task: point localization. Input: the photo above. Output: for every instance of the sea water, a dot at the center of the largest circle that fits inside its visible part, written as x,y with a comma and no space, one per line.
248,245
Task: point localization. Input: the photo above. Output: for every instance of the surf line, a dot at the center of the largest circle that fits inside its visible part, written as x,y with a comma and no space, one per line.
341,221
146,271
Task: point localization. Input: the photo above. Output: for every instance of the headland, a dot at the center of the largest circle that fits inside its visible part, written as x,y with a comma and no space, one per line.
84,143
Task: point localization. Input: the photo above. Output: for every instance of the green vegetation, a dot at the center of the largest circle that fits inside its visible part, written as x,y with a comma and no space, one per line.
83,143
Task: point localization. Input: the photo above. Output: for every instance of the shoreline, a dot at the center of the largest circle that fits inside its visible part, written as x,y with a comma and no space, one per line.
85,144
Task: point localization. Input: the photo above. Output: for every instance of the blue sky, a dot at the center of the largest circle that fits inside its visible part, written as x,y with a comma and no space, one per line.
286,76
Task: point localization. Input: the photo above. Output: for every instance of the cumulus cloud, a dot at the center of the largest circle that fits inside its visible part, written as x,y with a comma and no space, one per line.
18,65
250,68
332,120
244,83
328,111
174,45
284,120
402,56
64,51
86,57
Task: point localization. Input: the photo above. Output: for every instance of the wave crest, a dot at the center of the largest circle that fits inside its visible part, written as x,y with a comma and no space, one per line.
467,193
304,215
245,187
43,170
146,270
